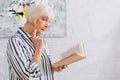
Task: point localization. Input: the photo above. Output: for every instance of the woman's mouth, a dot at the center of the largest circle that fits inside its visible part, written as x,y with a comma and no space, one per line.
43,29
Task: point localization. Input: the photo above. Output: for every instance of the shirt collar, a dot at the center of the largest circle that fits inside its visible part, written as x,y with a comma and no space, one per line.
24,34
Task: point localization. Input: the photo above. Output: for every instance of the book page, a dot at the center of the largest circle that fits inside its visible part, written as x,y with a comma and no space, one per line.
76,48
69,60
72,55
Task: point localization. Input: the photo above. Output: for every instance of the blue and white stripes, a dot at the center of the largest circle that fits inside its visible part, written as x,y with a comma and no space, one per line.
19,54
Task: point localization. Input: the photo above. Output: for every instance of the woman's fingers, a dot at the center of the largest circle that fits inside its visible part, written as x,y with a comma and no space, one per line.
35,33
60,68
64,66
37,40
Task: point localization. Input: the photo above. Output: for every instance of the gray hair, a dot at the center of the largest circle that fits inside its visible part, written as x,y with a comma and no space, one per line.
35,11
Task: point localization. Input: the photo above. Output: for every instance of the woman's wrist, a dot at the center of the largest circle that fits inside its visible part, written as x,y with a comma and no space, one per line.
37,56
38,51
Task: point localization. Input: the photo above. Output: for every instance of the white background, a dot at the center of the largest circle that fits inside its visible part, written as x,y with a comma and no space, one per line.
97,24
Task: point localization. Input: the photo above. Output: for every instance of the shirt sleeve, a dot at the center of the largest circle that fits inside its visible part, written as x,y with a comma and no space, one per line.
21,63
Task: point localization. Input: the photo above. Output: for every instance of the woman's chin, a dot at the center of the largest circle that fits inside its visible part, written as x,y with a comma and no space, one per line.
41,32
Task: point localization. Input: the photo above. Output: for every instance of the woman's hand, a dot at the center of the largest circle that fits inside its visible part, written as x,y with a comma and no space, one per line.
59,68
37,41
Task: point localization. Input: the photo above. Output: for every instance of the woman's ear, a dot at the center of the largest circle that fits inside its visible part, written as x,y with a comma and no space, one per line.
38,21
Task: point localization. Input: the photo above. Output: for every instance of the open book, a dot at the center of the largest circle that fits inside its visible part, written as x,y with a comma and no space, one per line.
74,54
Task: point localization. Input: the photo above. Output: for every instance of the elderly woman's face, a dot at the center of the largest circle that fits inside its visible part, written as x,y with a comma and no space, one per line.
42,24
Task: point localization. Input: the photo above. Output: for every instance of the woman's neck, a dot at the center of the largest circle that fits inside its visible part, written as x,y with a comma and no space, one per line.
29,28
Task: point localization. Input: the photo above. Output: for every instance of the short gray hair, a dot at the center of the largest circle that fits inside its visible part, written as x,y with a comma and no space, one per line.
35,11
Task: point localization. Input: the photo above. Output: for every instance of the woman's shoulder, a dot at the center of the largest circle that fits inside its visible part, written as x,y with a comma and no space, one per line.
16,36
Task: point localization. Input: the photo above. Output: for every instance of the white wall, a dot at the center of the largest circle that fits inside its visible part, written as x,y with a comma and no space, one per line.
96,23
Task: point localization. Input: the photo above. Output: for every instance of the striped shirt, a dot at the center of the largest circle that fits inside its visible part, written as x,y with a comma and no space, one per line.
19,56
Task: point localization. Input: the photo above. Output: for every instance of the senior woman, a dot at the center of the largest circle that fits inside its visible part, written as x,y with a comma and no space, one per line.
27,51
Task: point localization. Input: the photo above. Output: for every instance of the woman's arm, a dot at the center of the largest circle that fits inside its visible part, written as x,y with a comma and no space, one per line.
38,45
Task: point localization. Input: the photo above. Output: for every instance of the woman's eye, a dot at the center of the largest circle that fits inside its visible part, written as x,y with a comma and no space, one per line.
44,19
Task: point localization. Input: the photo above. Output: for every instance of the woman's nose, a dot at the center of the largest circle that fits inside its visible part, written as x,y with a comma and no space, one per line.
46,25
